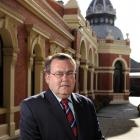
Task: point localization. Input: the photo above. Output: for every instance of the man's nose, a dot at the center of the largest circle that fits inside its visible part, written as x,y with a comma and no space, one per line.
65,75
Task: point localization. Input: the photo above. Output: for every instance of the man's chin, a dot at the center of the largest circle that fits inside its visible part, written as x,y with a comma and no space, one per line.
65,90
65,94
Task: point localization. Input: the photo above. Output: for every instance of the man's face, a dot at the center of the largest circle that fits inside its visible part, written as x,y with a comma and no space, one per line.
61,79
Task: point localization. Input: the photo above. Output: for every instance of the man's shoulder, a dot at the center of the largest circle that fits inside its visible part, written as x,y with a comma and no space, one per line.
35,98
81,98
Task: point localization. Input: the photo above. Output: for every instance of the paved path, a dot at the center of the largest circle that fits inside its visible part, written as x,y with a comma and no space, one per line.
120,122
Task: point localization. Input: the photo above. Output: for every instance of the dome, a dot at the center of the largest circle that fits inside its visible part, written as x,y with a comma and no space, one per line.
100,6
102,31
101,16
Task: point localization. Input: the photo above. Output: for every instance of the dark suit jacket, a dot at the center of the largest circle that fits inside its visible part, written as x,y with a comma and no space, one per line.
42,118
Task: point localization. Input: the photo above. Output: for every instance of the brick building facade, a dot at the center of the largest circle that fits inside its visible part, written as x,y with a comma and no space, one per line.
30,30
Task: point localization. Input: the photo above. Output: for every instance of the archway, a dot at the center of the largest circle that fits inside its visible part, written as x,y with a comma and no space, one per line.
37,71
37,59
118,78
8,57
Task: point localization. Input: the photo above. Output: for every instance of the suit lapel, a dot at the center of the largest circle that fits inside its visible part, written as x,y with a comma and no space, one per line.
78,107
57,111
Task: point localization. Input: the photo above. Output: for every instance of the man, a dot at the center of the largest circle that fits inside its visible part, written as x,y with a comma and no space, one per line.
59,114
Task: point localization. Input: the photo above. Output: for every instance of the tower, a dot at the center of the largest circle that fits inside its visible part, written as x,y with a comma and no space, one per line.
101,16
112,72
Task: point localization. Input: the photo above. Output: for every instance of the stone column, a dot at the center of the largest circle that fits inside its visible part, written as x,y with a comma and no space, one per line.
84,68
77,59
9,61
30,64
96,81
90,81
39,64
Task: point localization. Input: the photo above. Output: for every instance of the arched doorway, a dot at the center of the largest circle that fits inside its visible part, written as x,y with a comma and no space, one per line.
118,78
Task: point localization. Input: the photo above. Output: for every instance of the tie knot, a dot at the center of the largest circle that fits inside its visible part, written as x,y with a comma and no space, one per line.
65,101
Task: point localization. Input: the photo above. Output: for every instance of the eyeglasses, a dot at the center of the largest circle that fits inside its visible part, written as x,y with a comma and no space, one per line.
69,74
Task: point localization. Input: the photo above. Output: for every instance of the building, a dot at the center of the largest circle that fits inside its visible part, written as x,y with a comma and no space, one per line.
30,30
134,78
112,71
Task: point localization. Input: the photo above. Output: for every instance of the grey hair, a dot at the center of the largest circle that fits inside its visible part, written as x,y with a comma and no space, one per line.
59,56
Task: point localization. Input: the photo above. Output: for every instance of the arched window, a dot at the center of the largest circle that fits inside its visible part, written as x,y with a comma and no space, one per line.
118,78
1,73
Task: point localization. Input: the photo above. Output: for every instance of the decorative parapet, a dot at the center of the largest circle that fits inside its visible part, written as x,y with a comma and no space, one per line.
113,46
118,42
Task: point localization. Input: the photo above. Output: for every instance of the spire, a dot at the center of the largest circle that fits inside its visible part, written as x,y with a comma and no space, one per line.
72,4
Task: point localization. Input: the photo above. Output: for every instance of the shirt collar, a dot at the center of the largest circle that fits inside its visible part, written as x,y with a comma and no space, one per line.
59,99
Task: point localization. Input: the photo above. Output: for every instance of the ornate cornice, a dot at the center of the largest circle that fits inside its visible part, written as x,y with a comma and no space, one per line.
7,11
33,7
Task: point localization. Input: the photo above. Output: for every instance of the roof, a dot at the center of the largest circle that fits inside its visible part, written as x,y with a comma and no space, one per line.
103,31
135,66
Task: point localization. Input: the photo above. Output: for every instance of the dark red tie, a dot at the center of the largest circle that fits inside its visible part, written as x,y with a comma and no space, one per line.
69,116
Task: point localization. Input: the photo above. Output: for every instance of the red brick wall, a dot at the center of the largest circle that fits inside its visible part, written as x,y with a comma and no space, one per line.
31,18
22,57
57,7
104,81
127,82
106,60
21,67
127,59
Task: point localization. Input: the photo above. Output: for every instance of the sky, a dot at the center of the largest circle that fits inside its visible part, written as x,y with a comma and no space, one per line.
127,20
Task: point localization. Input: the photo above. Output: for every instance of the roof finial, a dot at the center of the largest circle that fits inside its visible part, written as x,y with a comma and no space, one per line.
127,36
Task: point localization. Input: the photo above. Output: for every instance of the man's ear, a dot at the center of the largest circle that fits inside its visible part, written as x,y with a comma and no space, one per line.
47,77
